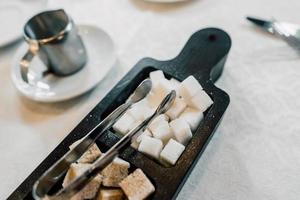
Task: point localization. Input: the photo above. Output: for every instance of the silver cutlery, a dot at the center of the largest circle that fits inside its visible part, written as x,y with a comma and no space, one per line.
113,152
53,174
286,31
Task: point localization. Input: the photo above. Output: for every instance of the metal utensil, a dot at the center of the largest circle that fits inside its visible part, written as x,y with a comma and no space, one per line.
52,175
108,157
53,36
287,31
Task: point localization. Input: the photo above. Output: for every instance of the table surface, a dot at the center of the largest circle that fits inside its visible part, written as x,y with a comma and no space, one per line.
254,154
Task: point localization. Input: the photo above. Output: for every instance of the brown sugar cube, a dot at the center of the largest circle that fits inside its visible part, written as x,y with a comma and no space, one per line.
137,186
90,190
115,172
110,194
90,155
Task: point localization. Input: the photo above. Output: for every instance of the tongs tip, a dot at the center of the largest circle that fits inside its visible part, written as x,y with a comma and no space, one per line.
141,91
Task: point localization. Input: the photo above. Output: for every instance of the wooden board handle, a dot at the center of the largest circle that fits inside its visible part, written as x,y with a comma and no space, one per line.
204,54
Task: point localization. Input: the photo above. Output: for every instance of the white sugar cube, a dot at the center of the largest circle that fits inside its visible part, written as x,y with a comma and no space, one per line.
147,112
174,82
145,133
155,76
165,117
137,140
135,110
144,113
192,117
159,92
157,120
124,124
200,101
176,108
135,124
162,131
181,130
151,146
175,85
189,87
163,87
154,99
137,186
141,110
172,151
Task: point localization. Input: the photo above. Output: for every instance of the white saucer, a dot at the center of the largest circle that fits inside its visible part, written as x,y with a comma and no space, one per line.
13,15
101,57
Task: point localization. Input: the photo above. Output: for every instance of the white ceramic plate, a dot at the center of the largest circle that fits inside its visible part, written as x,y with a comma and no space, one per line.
101,57
13,16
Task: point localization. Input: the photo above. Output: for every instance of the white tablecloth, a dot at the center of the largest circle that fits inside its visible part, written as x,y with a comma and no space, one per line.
255,153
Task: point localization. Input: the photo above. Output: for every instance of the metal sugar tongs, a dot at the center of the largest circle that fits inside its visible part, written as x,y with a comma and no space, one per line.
53,174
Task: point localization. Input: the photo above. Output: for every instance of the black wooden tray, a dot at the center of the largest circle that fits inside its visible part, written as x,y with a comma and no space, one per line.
203,56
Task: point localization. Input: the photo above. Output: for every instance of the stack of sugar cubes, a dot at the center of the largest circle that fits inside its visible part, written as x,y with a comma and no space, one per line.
113,183
168,134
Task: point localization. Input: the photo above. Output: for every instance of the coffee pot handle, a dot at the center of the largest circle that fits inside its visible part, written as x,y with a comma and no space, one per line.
27,58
